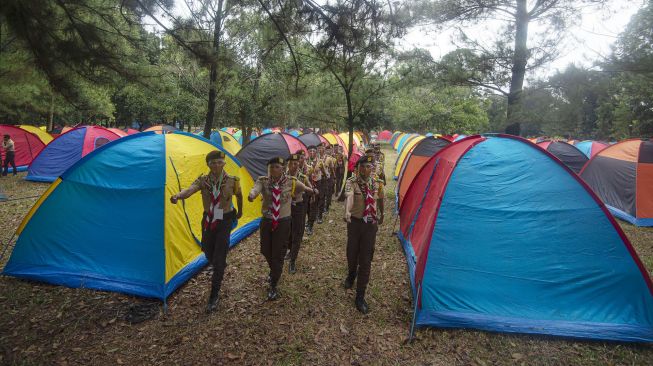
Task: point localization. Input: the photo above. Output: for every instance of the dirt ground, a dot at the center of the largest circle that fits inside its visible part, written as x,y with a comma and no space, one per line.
313,323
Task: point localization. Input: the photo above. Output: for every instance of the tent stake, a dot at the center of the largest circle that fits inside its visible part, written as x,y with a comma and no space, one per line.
411,335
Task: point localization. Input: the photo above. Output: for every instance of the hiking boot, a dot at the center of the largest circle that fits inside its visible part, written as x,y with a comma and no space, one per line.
309,231
291,267
214,299
349,281
361,304
319,220
273,294
287,255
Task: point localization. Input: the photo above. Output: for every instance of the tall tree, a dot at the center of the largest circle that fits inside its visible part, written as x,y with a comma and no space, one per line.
502,66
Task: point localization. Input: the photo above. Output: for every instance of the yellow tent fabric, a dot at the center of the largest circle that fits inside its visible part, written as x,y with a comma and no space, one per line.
404,153
345,138
42,135
229,143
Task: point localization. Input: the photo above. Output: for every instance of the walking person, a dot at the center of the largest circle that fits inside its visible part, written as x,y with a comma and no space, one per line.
315,170
363,214
297,212
277,190
218,189
10,155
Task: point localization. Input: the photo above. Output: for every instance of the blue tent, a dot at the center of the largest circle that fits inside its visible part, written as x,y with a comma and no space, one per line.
501,236
107,223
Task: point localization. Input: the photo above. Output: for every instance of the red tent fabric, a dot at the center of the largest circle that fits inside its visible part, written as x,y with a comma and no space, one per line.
26,144
384,135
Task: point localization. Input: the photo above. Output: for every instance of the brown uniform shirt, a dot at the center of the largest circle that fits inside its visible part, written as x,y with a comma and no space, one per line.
329,165
353,187
263,187
301,177
229,187
315,169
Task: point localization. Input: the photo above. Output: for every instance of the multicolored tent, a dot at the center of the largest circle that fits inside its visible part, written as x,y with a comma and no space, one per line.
399,140
568,154
590,148
394,137
108,223
255,155
404,140
118,132
226,140
384,135
26,144
131,131
64,151
413,163
494,244
161,129
622,176
408,147
313,139
42,134
333,139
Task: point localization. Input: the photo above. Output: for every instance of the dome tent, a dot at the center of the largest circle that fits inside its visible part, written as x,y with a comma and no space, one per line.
226,140
334,139
384,135
255,155
414,162
408,147
42,134
568,154
82,231
64,151
590,148
544,257
26,144
622,176
394,137
313,139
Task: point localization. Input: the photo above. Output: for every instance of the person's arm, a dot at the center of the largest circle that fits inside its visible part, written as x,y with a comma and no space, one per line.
301,188
186,192
256,190
349,200
380,204
239,199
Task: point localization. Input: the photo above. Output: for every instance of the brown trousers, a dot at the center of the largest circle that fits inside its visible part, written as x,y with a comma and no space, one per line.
316,205
329,192
274,245
215,245
361,238
340,176
297,212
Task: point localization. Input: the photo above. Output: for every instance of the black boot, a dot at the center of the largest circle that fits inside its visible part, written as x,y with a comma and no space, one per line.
361,305
273,294
309,230
214,299
291,267
349,281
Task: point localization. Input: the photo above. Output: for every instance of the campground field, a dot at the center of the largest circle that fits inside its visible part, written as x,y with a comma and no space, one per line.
313,323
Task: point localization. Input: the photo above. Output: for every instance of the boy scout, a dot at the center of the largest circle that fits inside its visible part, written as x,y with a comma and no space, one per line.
297,211
315,172
217,189
363,214
278,190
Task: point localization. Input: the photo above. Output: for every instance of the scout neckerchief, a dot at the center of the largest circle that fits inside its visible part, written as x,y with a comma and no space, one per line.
275,204
367,188
216,194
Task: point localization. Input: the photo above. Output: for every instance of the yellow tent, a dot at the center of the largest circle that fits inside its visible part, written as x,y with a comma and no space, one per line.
42,135
227,141
405,152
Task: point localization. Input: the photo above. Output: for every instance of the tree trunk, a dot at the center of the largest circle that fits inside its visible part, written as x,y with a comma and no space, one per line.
214,72
51,114
519,63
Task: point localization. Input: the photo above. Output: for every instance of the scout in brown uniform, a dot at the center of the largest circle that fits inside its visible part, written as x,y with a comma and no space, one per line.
330,167
297,211
379,158
315,172
340,166
217,189
363,213
278,190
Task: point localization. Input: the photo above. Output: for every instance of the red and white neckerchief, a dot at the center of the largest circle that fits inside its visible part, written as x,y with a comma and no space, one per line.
216,193
367,188
275,204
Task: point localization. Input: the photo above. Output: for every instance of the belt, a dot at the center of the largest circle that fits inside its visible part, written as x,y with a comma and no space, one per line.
280,220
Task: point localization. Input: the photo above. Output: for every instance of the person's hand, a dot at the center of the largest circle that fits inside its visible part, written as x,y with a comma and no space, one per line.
380,220
174,199
315,191
348,217
239,214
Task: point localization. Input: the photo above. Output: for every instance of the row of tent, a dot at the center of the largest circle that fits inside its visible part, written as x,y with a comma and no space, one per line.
621,174
499,234
107,223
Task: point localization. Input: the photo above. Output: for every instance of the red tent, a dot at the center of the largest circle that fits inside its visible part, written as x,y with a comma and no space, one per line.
26,144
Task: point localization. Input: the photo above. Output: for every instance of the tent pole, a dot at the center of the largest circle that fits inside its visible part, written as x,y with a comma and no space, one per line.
411,334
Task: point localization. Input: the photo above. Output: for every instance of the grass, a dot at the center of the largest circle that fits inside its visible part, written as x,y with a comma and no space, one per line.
313,323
